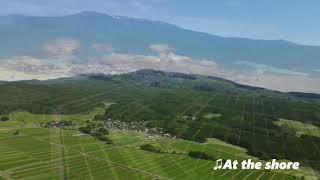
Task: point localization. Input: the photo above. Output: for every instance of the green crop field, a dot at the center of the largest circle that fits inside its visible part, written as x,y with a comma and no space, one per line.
300,128
52,153
212,115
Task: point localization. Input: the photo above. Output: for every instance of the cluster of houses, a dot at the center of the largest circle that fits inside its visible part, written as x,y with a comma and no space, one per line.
135,126
113,125
58,124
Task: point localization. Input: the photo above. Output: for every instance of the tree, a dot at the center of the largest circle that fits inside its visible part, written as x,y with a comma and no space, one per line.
108,140
149,147
85,130
200,155
99,118
17,132
105,139
103,130
5,118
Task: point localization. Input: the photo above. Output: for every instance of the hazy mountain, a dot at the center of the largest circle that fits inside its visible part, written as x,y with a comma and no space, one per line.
22,35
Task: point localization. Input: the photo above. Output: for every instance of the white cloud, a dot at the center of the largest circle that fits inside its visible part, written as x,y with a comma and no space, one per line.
62,48
261,68
166,62
26,64
283,82
26,67
160,48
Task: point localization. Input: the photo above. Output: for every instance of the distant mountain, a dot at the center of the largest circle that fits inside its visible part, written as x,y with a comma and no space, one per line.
23,34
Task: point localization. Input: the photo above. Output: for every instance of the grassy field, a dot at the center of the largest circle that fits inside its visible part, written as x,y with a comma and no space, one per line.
300,128
43,153
212,115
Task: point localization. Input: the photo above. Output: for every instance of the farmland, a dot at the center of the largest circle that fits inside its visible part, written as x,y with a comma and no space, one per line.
97,126
43,153
300,128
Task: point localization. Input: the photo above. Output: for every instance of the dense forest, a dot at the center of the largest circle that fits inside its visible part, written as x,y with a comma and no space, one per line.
192,107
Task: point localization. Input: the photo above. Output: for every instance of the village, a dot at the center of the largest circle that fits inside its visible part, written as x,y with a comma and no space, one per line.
111,124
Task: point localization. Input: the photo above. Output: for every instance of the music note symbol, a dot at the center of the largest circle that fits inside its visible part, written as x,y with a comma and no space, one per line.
218,164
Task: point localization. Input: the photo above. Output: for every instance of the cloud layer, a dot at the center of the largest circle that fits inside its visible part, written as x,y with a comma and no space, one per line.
61,48
26,67
261,68
60,53
160,48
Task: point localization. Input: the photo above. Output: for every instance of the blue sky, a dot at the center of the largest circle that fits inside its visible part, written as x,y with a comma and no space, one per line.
293,20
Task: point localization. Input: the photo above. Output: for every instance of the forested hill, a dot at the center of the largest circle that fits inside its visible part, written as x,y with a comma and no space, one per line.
76,94
192,107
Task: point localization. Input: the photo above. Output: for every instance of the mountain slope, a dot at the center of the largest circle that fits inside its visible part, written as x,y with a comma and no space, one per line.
192,107
76,94
130,35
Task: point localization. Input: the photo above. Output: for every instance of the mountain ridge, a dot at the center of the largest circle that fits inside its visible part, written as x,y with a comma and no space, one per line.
133,35
159,73
95,14
194,76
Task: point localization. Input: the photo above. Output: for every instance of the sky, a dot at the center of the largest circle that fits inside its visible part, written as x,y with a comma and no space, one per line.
293,20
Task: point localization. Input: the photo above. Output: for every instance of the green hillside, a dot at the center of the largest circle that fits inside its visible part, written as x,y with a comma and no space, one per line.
188,107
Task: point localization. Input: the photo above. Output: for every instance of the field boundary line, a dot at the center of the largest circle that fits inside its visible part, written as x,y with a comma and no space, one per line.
38,163
260,176
248,175
101,159
87,165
